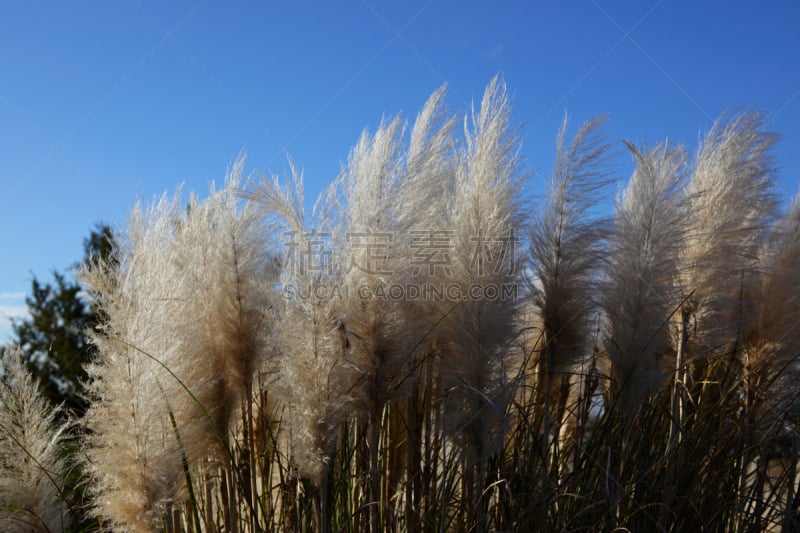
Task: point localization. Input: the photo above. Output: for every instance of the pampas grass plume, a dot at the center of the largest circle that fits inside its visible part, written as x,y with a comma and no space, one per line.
33,463
639,292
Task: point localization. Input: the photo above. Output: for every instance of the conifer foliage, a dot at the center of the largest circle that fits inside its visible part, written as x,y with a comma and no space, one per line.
54,339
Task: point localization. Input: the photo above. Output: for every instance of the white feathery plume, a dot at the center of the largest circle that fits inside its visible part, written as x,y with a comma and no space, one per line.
228,268
315,379
32,462
773,343
370,259
430,169
190,293
391,199
133,457
640,296
729,206
566,248
484,217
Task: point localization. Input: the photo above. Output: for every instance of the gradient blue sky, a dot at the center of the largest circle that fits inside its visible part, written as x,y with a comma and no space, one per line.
103,102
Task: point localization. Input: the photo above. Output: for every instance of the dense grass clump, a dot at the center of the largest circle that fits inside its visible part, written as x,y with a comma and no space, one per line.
427,352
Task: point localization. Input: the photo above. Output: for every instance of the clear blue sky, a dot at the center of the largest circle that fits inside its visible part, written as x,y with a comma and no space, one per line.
104,102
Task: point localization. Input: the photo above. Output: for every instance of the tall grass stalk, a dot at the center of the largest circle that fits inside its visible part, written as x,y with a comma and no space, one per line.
640,293
566,249
485,215
729,205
